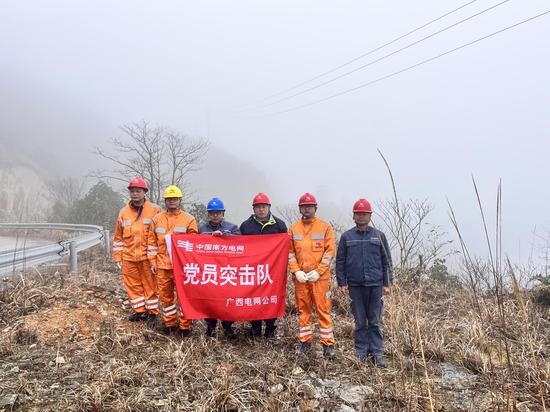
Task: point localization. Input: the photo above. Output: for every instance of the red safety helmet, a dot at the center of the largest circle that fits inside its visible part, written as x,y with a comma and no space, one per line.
261,199
138,182
307,199
362,206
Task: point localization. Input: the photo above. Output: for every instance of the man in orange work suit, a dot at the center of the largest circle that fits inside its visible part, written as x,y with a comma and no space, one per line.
311,253
130,252
173,220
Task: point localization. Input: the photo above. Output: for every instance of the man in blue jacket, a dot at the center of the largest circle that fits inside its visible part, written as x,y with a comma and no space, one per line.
364,270
217,226
262,222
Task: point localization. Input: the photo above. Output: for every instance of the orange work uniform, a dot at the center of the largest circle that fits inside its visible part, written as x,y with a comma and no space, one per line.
312,248
130,248
164,224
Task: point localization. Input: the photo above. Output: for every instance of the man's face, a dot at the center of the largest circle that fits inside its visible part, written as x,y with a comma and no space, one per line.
215,217
261,211
362,218
137,194
172,203
308,211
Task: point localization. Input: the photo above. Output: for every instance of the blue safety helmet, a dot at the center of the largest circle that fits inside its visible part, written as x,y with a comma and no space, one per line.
215,204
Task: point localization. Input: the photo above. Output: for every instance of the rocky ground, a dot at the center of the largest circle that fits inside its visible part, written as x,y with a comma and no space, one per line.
66,345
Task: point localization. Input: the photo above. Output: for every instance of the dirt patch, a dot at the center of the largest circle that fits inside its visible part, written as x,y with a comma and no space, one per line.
62,323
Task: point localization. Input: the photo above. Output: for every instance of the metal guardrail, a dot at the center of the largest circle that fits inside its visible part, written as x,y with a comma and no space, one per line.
12,260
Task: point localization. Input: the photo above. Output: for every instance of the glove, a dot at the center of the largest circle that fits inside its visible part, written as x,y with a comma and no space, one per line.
118,266
313,276
300,276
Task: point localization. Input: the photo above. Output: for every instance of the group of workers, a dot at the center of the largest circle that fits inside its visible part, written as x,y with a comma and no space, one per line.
363,266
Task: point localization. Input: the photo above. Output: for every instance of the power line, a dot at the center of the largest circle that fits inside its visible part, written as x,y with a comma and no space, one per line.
383,57
365,54
409,67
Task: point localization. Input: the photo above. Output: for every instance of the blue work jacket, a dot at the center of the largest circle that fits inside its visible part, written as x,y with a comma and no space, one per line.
363,258
226,228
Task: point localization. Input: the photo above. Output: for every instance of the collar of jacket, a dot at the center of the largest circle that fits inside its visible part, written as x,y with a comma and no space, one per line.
176,213
366,231
270,221
211,226
309,221
131,204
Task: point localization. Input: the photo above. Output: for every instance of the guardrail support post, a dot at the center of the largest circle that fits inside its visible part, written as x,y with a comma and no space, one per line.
107,242
73,257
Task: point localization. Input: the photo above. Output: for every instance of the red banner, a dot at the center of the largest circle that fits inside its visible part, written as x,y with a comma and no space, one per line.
230,277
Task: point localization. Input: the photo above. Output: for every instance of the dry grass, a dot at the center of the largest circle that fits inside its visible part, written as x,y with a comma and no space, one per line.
66,345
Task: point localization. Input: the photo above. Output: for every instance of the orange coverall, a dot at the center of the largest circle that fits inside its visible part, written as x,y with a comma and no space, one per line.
312,248
164,224
130,248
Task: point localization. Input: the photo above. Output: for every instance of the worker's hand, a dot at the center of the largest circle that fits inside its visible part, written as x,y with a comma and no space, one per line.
217,233
313,276
154,269
386,290
300,276
118,266
343,289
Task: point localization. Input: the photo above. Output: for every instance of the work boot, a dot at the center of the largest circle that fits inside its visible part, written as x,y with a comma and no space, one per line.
329,352
168,330
151,321
183,333
364,357
230,333
269,333
255,332
304,348
379,361
137,316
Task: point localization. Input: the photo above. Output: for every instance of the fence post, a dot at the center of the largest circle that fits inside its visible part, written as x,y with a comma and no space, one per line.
73,257
107,242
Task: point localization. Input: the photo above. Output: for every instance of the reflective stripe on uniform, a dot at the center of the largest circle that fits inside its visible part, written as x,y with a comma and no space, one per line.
152,301
126,222
137,299
152,306
296,237
138,305
146,221
118,243
306,330
179,229
325,329
151,253
317,236
328,336
169,308
160,230
326,262
118,249
152,247
172,312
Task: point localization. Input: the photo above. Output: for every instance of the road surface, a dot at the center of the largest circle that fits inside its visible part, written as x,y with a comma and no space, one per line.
10,243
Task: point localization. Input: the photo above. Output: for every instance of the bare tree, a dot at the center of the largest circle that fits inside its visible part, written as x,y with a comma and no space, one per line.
158,154
417,242
289,213
65,190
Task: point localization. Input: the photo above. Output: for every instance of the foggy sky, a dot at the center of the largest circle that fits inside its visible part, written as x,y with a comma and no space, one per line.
81,69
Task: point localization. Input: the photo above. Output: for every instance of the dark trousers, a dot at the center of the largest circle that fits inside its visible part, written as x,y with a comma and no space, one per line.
257,325
366,305
212,323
